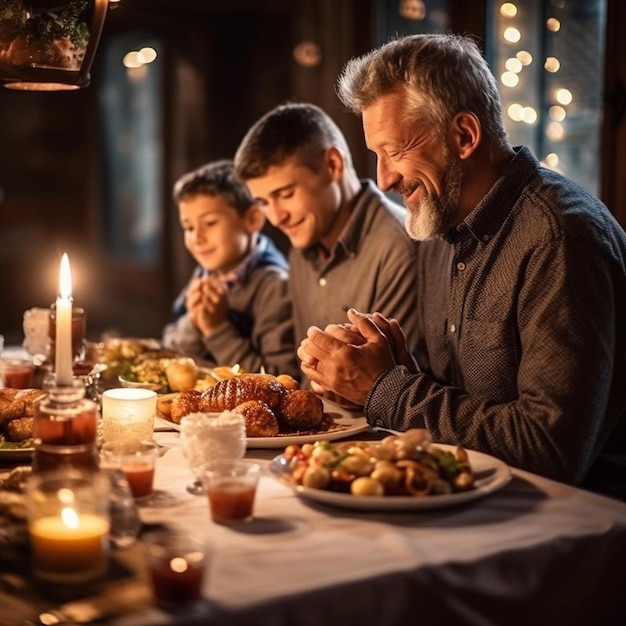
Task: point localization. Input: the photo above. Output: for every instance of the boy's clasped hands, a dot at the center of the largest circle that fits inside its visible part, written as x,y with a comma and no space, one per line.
207,303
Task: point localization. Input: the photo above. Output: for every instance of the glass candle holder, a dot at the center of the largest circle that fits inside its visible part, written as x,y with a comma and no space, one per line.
128,413
65,430
79,333
68,525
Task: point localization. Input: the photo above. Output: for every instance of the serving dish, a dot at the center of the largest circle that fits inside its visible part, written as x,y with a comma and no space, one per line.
346,426
491,475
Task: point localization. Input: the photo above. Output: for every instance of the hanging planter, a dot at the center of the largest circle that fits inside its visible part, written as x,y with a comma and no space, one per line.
49,45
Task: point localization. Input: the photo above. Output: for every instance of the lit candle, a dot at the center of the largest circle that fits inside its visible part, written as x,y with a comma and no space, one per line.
69,547
63,339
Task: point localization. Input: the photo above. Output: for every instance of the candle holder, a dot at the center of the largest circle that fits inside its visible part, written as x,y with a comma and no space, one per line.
65,429
79,333
68,524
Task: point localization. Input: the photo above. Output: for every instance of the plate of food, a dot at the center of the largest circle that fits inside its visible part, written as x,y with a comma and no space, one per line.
394,474
17,408
276,411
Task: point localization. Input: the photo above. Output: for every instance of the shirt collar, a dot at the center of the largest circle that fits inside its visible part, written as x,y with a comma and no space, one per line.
489,214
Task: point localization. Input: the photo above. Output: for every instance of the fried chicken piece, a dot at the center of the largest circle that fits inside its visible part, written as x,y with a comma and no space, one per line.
301,409
260,419
30,397
225,395
20,429
11,407
184,403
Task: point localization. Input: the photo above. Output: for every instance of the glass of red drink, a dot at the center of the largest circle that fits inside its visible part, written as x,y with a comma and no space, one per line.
177,564
136,459
17,373
231,485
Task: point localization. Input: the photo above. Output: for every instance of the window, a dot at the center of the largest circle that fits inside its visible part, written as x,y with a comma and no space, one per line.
548,59
130,103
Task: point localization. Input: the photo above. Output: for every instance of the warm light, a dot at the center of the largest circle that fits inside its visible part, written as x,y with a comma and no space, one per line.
69,517
513,65
509,79
552,64
147,55
529,115
512,35
525,58
557,113
555,131
553,24
508,9
551,160
65,279
179,565
131,59
65,495
515,112
563,96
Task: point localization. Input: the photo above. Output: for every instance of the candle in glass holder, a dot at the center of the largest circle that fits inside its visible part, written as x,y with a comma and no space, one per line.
63,336
68,525
128,413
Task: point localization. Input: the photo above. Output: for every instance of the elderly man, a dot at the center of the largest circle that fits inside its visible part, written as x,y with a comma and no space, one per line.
521,280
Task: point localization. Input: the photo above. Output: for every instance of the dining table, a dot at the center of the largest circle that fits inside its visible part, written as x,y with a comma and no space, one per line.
533,551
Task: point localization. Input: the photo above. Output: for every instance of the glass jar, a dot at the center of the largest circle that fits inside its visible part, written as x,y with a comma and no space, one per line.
65,430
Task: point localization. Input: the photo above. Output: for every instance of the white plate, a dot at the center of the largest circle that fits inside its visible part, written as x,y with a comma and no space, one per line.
16,454
492,474
354,424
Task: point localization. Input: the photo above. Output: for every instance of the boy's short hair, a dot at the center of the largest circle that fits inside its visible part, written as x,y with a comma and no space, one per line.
214,179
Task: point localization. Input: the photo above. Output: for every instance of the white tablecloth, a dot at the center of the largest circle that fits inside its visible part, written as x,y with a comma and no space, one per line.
534,552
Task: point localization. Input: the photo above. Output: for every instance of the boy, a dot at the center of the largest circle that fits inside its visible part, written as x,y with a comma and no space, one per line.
236,307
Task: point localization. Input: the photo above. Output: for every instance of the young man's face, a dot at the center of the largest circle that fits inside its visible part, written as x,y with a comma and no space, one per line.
302,203
214,233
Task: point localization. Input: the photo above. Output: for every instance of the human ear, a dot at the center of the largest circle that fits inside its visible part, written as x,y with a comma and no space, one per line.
334,161
466,133
254,219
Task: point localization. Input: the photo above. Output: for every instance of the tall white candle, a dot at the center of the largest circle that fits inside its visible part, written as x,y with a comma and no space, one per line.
63,339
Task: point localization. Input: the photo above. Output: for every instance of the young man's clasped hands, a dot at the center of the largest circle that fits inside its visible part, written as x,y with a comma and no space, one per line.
343,361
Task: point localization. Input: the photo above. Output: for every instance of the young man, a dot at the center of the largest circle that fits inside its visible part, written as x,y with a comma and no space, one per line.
236,307
522,291
350,248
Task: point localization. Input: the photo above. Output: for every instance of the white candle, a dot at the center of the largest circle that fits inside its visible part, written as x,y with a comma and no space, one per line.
63,339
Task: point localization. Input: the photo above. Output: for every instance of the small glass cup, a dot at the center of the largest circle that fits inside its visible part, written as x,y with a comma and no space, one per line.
136,459
128,414
69,524
177,565
231,485
17,373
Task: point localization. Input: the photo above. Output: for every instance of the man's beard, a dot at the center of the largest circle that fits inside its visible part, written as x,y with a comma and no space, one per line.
433,214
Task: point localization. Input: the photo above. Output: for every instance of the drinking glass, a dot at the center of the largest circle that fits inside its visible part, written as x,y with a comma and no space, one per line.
207,437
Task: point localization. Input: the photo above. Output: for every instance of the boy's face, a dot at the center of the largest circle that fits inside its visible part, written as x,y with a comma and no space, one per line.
300,202
215,234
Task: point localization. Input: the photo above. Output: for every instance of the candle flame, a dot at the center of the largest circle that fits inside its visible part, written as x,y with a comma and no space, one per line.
65,277
69,517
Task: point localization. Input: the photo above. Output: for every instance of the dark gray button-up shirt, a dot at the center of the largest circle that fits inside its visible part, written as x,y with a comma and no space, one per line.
522,333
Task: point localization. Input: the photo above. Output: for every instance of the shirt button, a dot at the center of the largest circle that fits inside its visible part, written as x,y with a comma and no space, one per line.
452,328
460,266
485,238
322,282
